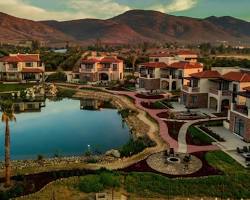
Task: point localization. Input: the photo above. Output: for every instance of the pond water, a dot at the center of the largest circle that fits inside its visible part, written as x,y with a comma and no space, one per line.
61,127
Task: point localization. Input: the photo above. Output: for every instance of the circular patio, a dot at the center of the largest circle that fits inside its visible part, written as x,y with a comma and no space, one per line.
174,165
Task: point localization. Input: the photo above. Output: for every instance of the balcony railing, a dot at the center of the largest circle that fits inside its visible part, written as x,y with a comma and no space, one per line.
191,89
220,92
89,70
11,69
105,69
147,75
242,109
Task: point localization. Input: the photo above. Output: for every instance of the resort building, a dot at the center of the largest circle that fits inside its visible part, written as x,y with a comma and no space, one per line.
214,90
21,68
100,69
239,115
167,70
166,75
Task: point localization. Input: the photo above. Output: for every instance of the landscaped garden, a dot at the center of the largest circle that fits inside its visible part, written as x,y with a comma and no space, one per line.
196,137
14,87
232,182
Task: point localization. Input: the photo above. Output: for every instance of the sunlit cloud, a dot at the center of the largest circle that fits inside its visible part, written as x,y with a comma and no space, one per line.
78,9
174,6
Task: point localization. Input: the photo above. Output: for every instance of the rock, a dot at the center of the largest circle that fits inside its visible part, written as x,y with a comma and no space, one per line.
114,153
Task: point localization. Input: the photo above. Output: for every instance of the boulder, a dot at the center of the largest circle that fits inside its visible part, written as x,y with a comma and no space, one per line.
114,153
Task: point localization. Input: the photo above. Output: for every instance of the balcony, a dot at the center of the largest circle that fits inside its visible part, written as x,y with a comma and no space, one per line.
191,89
87,70
11,69
105,69
147,76
220,92
242,109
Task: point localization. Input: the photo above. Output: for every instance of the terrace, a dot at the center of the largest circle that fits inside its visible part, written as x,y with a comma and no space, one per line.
189,89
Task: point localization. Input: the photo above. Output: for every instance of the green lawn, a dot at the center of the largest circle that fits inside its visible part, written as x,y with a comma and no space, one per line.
234,184
198,137
14,87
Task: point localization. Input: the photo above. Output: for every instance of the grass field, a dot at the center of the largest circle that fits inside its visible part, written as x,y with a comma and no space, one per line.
233,184
14,87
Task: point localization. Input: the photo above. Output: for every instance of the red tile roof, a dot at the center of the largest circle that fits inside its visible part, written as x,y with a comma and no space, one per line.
158,55
186,65
90,61
32,70
186,52
20,58
247,88
206,74
155,65
237,76
110,60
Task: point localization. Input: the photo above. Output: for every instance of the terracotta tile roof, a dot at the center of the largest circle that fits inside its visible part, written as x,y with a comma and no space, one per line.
237,76
206,74
32,70
186,52
155,65
20,58
110,60
158,55
186,65
247,88
90,61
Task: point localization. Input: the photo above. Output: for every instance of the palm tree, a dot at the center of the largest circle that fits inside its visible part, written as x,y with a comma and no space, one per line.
7,116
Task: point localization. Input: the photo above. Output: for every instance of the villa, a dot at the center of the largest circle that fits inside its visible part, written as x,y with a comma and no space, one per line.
166,71
239,115
215,89
21,68
99,69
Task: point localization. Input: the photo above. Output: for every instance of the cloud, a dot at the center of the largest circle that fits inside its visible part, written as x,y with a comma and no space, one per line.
78,9
175,6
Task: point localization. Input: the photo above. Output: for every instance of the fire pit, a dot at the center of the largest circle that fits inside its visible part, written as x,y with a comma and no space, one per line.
174,160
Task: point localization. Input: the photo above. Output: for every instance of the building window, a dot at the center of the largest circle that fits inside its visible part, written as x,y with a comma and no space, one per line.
194,99
239,127
29,64
157,60
115,66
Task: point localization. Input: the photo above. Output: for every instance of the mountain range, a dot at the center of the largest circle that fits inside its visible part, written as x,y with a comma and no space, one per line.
130,27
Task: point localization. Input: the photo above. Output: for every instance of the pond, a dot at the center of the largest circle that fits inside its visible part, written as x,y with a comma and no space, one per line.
62,127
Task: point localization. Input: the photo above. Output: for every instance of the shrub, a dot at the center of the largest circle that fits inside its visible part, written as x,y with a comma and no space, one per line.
57,76
198,137
91,183
62,93
135,146
110,180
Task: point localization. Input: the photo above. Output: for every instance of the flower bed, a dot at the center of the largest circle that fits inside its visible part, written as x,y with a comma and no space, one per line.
142,96
212,134
153,105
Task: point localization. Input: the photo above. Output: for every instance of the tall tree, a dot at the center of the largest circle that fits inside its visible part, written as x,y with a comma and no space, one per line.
7,116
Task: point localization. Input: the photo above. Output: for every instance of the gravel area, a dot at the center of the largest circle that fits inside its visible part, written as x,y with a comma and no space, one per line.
159,163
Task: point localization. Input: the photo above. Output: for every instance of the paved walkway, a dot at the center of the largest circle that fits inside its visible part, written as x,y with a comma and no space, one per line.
183,147
231,143
180,145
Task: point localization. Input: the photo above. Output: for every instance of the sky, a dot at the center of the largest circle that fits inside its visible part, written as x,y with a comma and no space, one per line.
103,9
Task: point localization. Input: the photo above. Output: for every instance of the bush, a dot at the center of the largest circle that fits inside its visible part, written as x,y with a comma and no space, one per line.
65,93
110,180
125,113
58,76
198,137
135,146
91,183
